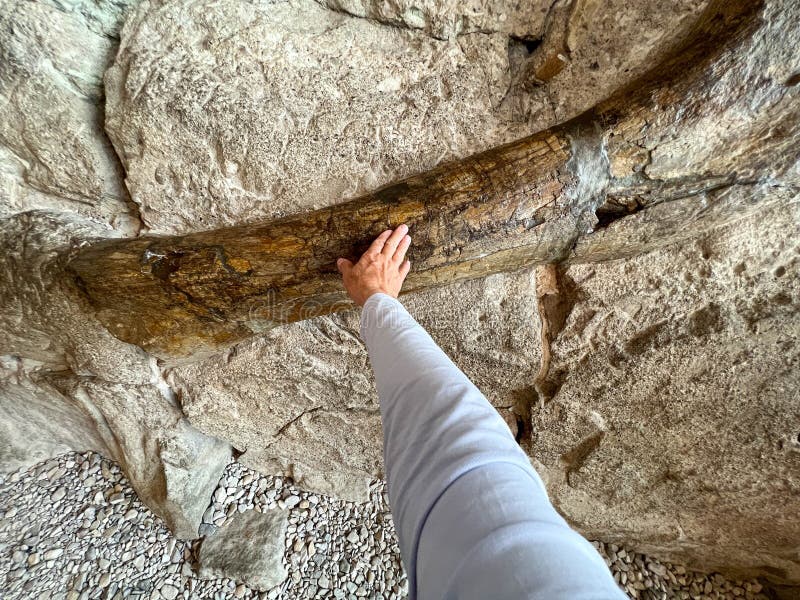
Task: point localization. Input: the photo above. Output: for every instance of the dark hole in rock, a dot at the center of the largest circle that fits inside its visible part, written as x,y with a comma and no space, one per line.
531,45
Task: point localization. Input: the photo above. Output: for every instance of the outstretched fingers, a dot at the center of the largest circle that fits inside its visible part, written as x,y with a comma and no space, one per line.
402,248
344,266
378,243
394,239
405,268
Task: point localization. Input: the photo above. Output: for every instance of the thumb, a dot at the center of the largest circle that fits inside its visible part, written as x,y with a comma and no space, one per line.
344,265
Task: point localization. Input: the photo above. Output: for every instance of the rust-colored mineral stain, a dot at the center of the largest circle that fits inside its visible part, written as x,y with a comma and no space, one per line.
552,65
240,265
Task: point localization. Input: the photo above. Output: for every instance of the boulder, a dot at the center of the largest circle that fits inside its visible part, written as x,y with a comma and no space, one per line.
675,422
67,384
173,467
224,113
37,421
248,549
54,154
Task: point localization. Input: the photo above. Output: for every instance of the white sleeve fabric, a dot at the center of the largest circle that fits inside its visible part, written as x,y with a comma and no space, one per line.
472,515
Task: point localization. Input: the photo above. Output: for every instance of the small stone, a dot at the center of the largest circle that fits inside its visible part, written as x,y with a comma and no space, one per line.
116,498
58,494
53,553
170,592
105,579
239,591
138,563
291,501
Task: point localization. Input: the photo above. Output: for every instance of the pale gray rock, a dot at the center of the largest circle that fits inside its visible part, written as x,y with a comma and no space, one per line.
37,421
173,467
297,107
224,113
249,549
611,43
770,115
66,383
54,154
45,321
53,553
450,18
675,421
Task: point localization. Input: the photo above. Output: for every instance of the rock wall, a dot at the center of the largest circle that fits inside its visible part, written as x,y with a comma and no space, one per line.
67,383
676,416
666,416
54,154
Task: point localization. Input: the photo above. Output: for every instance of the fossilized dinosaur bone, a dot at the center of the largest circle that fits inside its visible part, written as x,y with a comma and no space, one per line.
525,203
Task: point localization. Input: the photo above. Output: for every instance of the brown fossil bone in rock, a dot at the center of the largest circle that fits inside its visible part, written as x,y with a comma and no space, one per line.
529,202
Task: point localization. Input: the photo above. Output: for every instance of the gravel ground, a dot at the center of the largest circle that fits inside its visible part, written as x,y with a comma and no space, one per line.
73,528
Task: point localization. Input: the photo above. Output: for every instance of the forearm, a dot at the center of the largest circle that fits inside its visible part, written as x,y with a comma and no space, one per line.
436,424
463,494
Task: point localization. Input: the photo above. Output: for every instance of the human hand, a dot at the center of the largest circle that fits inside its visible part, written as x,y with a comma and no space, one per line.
382,268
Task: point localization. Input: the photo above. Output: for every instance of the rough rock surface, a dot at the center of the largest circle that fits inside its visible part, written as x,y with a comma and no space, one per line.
54,154
677,407
451,18
221,124
68,384
301,399
235,112
249,548
613,38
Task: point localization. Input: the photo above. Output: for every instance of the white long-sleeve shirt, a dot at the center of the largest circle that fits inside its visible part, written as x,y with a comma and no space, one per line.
472,515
